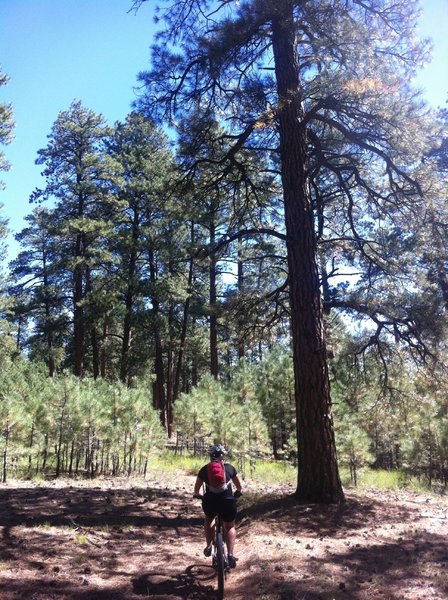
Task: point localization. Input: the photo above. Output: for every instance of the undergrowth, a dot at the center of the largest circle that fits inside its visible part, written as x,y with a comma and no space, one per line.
167,465
391,480
282,472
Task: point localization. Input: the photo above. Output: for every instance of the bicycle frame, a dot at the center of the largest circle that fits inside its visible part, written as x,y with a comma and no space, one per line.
219,559
219,554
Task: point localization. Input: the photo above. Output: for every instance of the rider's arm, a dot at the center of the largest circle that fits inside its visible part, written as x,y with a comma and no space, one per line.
197,486
237,483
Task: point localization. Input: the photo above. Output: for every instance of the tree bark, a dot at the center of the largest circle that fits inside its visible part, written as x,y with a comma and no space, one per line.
159,398
60,434
6,433
183,333
93,328
48,326
240,279
214,364
78,311
318,476
103,354
129,302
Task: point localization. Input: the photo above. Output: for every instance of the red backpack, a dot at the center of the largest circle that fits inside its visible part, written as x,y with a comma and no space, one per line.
216,474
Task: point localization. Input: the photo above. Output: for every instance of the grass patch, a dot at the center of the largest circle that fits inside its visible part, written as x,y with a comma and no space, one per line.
282,472
276,472
170,462
387,480
259,471
81,539
384,480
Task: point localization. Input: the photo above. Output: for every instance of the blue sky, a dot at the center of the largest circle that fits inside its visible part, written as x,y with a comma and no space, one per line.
56,51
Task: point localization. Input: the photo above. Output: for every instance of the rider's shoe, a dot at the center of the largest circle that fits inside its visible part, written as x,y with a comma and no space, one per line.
208,550
231,561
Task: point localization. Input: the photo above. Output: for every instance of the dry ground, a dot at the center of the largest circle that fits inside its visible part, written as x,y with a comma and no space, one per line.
134,539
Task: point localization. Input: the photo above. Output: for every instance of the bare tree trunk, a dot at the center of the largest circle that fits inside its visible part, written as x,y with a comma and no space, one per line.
183,333
318,476
61,429
95,352
240,276
103,356
48,327
45,454
78,312
72,455
169,392
129,301
93,329
170,363
214,364
127,342
159,398
30,446
5,453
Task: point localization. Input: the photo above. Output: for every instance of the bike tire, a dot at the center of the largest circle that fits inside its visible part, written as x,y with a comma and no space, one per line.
220,565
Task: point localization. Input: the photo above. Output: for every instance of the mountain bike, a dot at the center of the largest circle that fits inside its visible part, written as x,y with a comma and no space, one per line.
219,554
219,557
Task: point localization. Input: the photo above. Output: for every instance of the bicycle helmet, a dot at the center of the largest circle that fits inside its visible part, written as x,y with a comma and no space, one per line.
217,451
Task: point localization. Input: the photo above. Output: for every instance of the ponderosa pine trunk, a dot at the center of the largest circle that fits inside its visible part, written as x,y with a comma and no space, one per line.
126,345
214,364
318,476
93,330
159,396
78,313
183,333
129,302
48,327
103,354
240,280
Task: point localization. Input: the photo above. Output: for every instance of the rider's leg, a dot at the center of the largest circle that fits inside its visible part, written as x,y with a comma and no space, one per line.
230,535
209,529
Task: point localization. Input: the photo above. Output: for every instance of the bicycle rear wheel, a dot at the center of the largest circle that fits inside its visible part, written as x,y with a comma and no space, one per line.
220,565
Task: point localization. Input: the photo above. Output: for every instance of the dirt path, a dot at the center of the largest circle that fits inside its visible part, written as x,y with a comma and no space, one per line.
128,540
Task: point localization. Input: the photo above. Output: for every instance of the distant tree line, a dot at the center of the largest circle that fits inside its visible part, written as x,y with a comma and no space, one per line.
119,278
82,427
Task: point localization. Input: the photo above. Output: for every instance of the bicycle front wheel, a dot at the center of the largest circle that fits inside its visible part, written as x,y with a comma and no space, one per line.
220,565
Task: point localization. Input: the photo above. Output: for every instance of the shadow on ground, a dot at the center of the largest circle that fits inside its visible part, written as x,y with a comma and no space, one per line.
139,543
287,514
196,582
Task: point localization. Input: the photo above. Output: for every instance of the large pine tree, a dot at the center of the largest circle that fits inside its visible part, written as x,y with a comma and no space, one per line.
6,134
320,89
40,294
77,179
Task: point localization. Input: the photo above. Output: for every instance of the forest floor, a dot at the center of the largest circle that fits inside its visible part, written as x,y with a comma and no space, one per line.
130,539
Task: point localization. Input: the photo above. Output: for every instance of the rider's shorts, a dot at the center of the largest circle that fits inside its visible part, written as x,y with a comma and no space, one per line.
214,503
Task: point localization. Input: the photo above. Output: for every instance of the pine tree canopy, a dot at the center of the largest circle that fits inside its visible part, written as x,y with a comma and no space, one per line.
320,93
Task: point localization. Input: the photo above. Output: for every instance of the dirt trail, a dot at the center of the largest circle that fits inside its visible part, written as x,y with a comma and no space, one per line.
131,539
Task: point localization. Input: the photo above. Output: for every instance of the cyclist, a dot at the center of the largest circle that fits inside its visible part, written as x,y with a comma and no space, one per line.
218,477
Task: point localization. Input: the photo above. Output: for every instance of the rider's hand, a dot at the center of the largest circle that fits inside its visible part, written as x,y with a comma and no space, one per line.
238,494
